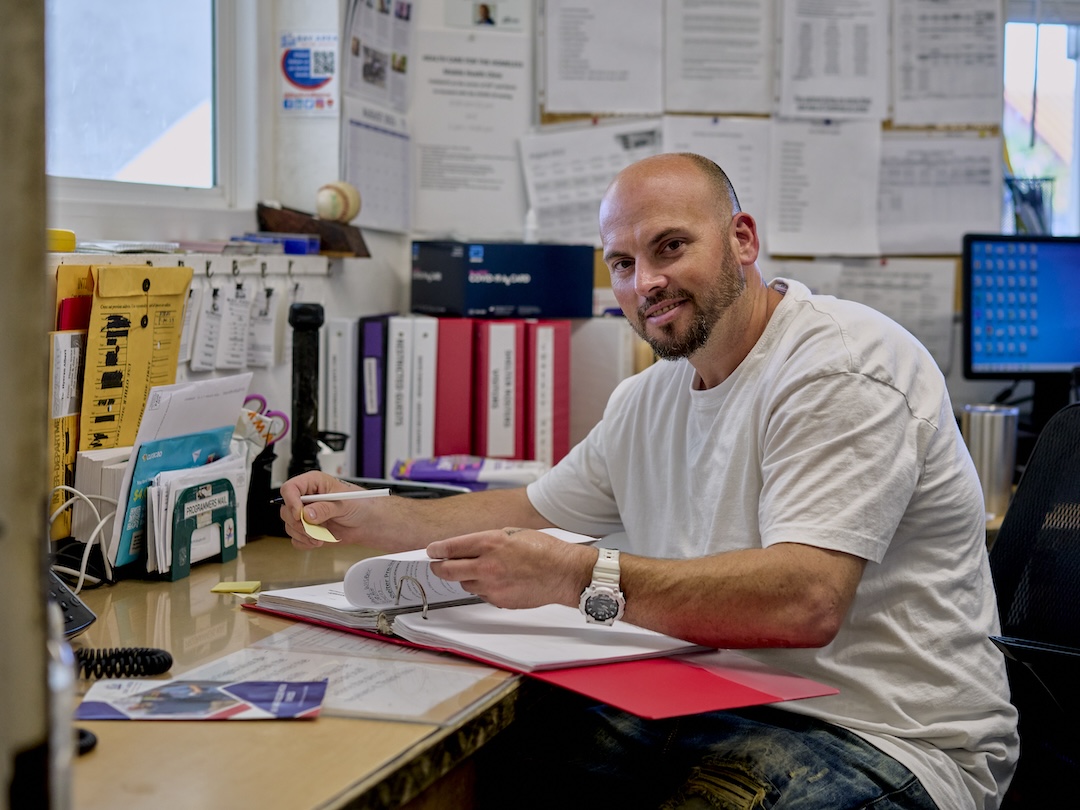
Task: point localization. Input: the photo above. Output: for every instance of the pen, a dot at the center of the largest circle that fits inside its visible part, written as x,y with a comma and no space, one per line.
351,495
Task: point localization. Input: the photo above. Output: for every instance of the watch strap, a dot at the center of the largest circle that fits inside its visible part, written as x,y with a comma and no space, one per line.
606,570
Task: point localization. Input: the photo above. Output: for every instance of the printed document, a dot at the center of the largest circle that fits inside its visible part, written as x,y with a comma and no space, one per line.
718,56
935,187
834,60
473,100
603,56
947,62
568,170
823,192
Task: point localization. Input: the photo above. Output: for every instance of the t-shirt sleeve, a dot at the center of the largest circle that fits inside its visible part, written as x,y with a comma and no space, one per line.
842,458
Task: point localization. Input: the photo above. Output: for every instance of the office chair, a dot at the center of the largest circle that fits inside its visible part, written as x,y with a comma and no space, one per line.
1035,562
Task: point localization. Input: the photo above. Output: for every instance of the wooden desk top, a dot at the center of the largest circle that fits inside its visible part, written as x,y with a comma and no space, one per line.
330,762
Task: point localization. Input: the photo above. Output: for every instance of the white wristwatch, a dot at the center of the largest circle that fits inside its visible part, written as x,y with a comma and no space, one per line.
602,602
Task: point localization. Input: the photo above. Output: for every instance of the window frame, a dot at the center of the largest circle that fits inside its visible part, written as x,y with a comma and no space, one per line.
105,209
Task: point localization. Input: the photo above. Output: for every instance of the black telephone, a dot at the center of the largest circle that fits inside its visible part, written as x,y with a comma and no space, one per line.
77,616
123,662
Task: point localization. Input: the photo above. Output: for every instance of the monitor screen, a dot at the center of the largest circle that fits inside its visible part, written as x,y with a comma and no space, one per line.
1021,318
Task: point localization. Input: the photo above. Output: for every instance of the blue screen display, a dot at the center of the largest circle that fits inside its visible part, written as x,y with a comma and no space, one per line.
1023,313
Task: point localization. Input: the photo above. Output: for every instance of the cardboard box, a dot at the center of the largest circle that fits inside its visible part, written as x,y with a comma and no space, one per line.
502,279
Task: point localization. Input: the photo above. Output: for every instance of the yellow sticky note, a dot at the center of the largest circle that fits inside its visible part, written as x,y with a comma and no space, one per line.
244,586
316,531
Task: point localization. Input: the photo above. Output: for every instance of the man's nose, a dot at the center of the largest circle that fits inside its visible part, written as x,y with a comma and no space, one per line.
648,278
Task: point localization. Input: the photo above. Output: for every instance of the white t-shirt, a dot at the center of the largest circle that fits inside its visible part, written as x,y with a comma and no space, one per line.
836,431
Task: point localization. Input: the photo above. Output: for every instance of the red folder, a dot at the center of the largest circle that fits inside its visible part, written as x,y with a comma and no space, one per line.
653,688
656,688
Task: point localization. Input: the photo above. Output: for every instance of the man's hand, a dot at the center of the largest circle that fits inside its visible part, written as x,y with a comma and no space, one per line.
342,518
515,568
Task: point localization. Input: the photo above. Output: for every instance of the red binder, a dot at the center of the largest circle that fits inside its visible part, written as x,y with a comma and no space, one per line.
499,372
454,387
547,349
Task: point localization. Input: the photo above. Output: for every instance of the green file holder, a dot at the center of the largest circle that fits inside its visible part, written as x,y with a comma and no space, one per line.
204,525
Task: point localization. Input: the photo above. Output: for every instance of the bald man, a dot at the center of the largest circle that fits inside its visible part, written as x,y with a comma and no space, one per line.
792,483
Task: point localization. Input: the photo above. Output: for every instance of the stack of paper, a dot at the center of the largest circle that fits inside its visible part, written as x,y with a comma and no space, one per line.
194,514
183,426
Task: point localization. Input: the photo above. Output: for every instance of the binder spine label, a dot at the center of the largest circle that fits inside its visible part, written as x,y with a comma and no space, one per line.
502,390
544,400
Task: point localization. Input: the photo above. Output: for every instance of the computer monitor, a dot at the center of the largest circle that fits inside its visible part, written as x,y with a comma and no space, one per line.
1021,318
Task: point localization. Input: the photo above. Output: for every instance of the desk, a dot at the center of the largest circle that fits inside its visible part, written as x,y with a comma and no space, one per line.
331,762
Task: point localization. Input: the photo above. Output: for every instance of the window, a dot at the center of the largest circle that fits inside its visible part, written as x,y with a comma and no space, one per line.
130,91
152,111
1039,122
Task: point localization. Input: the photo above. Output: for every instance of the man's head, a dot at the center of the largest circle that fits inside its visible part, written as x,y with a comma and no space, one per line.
676,241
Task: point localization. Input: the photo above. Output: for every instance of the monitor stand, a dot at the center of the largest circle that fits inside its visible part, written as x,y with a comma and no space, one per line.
1051,393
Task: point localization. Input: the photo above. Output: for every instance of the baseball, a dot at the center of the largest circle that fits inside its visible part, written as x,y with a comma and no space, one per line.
338,201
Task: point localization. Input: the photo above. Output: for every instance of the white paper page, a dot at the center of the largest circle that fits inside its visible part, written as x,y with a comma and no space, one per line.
535,638
834,59
947,62
823,188
935,187
366,678
740,146
567,172
188,407
375,156
604,56
916,293
377,52
473,96
719,55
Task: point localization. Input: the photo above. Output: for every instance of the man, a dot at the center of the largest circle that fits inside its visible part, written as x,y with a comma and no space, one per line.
793,483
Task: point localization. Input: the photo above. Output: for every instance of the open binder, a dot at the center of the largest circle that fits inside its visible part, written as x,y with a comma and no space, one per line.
641,672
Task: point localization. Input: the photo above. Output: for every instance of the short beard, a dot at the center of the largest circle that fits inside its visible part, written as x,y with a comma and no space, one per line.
671,346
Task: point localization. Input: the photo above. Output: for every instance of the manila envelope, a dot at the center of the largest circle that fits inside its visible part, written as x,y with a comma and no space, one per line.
133,344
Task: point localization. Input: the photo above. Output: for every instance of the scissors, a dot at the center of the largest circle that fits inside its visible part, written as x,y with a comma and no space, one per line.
274,424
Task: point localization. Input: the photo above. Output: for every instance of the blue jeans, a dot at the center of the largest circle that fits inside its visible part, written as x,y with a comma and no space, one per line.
569,752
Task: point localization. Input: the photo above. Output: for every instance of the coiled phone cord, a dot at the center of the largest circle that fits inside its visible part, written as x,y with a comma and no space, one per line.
122,662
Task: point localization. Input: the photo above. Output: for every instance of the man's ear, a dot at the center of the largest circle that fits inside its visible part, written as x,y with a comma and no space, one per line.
745,237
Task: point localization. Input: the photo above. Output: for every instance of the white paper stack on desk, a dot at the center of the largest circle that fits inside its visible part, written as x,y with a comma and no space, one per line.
195,514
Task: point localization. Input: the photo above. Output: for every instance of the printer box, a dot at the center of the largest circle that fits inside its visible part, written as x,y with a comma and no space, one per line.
502,279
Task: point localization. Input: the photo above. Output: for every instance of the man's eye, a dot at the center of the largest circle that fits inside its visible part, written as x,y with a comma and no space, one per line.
621,266
674,244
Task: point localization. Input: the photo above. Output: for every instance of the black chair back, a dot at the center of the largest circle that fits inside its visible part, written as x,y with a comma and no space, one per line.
1035,561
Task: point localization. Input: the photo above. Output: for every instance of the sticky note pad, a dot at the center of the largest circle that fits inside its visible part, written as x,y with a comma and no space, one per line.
244,586
317,532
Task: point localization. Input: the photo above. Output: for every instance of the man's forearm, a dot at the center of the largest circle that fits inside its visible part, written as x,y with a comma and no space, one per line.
414,523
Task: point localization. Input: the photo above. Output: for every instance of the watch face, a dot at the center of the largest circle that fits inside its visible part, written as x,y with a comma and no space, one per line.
602,607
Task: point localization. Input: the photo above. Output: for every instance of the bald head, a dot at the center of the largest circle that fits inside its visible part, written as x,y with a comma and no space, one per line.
680,163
